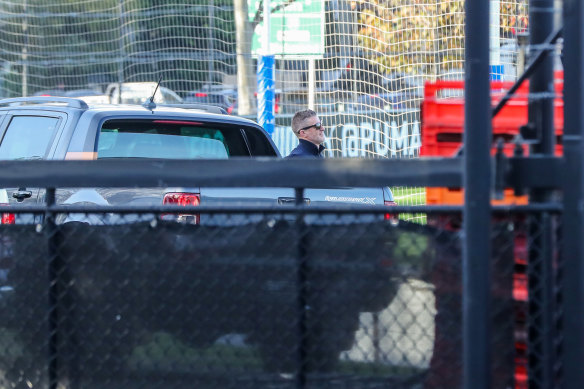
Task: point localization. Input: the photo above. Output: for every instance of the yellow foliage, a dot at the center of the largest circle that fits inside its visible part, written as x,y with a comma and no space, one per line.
402,32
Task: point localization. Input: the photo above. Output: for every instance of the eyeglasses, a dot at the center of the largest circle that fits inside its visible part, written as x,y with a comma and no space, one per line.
318,126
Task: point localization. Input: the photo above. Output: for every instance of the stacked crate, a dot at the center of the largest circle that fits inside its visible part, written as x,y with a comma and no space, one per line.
442,116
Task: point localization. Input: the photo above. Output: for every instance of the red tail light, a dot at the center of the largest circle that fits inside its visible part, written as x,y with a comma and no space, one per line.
392,217
178,122
183,199
8,218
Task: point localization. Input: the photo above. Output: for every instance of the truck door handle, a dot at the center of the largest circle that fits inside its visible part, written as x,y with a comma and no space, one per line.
291,200
22,194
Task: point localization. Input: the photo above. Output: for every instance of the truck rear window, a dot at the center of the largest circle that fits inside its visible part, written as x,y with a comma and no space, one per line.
167,139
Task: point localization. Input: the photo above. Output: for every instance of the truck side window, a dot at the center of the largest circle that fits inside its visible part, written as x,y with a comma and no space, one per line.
259,144
28,137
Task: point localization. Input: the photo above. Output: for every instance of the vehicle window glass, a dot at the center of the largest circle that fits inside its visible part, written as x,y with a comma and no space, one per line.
164,139
259,144
28,137
169,97
213,99
132,97
210,99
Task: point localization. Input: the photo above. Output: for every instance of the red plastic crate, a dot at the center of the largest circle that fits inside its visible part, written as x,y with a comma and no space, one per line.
443,127
442,130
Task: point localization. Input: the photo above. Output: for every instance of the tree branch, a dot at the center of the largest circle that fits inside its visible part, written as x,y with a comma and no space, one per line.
259,15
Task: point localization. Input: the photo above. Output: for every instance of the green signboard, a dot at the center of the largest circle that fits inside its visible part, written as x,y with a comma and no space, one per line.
296,28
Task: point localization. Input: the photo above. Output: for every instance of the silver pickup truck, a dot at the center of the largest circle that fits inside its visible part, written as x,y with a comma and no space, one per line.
188,270
54,128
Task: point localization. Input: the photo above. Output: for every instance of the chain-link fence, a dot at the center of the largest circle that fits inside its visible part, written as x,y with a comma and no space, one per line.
253,299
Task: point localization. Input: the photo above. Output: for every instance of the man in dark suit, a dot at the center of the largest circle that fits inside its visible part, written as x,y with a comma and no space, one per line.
310,132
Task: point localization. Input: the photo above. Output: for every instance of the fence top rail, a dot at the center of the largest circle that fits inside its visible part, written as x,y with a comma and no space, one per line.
268,172
236,172
234,209
551,207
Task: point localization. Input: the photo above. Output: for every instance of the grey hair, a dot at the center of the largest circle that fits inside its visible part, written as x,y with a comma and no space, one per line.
299,118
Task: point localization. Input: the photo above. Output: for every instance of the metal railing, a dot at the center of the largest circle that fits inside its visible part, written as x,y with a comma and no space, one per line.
345,296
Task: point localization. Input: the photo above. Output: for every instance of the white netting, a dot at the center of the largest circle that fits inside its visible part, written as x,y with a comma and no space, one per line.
366,84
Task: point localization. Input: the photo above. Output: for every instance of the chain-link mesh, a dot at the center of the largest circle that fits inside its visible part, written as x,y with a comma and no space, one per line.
543,299
446,277
259,300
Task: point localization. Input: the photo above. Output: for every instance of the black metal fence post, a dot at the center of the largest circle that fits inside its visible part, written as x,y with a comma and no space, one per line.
53,274
540,268
541,281
573,217
477,215
302,268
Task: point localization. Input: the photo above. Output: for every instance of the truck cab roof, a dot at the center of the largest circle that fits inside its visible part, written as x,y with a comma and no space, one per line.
76,126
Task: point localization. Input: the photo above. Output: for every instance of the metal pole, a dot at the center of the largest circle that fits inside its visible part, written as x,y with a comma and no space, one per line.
25,51
311,82
265,77
122,54
494,34
477,215
573,217
541,83
302,298
267,30
53,275
526,73
540,269
211,43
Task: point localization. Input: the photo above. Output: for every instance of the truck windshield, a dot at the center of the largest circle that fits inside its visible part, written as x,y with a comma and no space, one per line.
166,139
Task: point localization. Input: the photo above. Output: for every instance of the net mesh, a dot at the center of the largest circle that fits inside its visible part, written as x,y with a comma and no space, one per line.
364,77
